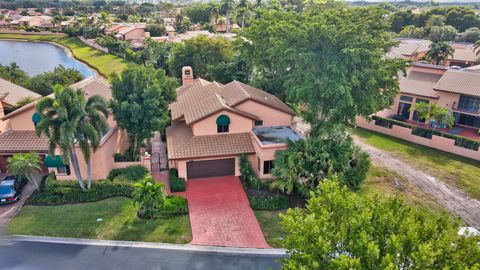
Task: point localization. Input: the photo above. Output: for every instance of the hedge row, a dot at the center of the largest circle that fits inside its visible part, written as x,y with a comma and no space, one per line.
173,206
177,184
276,202
427,133
133,173
54,192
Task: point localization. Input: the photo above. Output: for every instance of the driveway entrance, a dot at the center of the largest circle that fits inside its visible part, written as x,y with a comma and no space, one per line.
220,214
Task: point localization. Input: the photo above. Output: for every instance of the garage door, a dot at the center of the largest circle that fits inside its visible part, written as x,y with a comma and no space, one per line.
210,168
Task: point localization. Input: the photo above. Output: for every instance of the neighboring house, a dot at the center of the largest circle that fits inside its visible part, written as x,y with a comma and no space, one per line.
213,124
19,136
44,22
10,95
455,89
133,33
464,56
410,49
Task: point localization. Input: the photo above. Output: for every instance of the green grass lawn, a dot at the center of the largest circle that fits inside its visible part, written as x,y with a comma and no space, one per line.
452,169
106,64
80,221
272,229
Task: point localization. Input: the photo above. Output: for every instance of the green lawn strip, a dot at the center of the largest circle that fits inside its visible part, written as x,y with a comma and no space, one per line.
106,64
453,169
119,222
270,222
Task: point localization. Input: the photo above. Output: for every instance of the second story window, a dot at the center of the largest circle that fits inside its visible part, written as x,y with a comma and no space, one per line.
223,123
258,123
469,103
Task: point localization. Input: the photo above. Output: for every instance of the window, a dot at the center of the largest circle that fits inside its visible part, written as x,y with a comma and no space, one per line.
223,123
403,110
259,123
469,103
406,98
267,166
64,170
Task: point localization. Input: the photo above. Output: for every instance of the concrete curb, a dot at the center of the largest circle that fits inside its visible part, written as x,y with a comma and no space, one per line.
165,246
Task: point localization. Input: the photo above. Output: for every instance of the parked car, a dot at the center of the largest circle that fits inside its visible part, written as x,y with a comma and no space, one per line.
11,188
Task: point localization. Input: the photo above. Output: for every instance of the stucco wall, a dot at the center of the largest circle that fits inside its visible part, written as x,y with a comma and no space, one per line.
208,126
269,116
437,142
21,121
264,153
447,99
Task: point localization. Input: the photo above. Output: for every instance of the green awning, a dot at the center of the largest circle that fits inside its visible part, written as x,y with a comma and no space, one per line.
223,120
53,161
36,118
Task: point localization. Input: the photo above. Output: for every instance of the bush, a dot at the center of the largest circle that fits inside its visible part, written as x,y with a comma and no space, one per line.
275,202
54,192
358,171
133,173
177,184
172,206
248,176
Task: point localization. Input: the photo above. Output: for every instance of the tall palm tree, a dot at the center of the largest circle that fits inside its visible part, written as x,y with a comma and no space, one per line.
91,130
439,52
476,47
227,6
104,21
25,164
66,122
244,10
214,10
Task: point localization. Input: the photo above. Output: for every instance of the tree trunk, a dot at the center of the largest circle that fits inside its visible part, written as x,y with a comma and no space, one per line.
76,167
31,178
243,20
135,143
89,174
228,21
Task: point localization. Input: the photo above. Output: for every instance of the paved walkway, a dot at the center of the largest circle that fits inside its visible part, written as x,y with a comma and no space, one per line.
8,211
220,214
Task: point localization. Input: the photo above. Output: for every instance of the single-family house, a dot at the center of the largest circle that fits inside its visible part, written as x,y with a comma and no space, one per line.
410,49
133,33
213,124
463,56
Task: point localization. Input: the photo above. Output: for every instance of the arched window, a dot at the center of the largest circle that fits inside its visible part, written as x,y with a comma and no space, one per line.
223,122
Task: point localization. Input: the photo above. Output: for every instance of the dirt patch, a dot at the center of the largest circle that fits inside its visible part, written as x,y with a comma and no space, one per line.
453,199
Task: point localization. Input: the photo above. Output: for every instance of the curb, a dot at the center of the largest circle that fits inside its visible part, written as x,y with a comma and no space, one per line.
165,246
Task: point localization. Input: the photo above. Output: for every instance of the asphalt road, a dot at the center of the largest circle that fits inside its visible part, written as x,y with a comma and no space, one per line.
39,255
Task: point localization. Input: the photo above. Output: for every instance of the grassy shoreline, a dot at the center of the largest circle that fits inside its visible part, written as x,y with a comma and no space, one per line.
105,64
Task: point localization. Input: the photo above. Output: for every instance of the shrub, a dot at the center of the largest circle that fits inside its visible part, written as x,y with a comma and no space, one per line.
54,192
275,202
149,195
177,184
173,172
172,206
133,173
358,171
248,176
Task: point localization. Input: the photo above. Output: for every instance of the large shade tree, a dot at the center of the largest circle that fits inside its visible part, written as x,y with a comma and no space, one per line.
141,96
331,60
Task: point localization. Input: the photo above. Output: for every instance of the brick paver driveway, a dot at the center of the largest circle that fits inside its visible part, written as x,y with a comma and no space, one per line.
220,214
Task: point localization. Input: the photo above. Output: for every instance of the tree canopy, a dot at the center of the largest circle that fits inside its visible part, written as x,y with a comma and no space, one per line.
330,60
340,229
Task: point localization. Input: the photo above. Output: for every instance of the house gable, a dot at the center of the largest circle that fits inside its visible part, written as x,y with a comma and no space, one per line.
208,125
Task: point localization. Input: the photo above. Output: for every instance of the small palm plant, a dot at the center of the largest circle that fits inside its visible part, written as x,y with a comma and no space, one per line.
25,165
443,117
149,195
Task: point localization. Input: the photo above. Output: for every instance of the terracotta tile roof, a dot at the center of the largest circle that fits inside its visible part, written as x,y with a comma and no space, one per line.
408,47
22,141
419,83
460,81
182,144
203,98
463,52
94,86
13,93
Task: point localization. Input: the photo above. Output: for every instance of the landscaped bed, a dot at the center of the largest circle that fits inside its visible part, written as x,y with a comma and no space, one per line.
110,219
106,64
452,169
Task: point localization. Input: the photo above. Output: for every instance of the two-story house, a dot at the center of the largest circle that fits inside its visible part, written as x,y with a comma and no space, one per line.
213,124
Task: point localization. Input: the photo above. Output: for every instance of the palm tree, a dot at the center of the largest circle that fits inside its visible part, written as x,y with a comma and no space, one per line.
25,165
104,21
439,52
91,130
214,10
66,122
228,6
244,10
150,196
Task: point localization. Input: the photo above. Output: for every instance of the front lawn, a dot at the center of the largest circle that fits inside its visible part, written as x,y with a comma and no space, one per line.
119,222
452,169
106,64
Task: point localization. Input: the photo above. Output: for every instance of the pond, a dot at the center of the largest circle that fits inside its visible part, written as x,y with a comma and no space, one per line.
38,57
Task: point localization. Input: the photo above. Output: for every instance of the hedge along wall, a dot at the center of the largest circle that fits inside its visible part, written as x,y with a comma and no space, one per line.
435,139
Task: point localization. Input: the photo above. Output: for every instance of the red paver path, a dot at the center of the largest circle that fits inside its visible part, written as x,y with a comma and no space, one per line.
220,214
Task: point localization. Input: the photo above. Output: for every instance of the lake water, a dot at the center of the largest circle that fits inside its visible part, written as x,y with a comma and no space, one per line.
38,57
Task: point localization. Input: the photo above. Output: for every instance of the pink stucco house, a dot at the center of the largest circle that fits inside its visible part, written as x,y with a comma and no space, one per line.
213,124
18,135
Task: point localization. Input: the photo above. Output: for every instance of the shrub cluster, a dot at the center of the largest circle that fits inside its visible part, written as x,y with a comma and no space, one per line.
172,206
54,192
248,176
275,202
177,184
427,133
133,173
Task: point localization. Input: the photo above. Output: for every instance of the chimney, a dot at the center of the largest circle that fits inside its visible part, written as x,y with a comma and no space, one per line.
187,76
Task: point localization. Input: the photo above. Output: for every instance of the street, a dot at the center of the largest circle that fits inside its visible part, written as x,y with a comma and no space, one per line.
42,255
